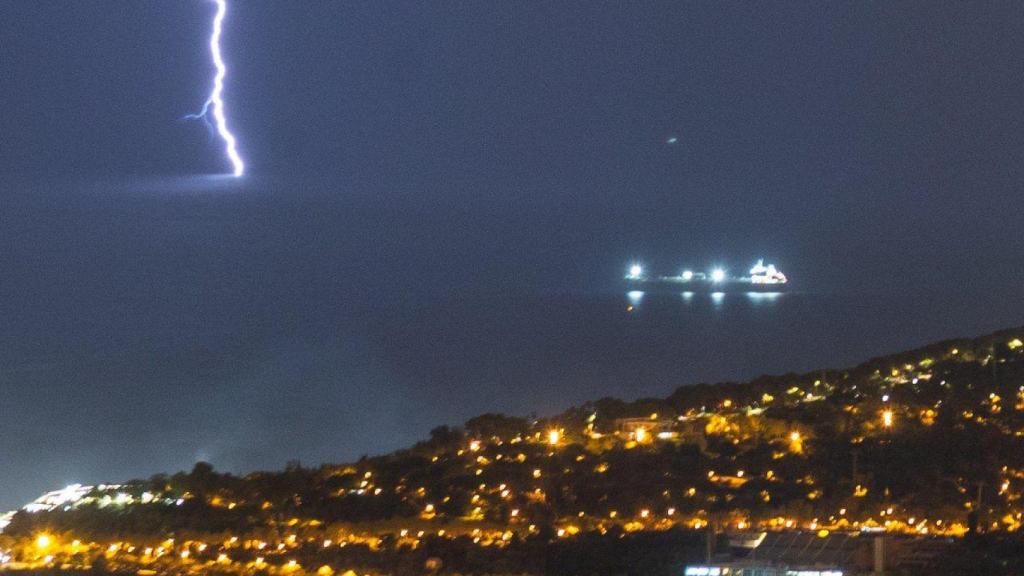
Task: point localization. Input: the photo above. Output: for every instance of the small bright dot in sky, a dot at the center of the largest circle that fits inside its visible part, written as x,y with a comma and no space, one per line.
672,140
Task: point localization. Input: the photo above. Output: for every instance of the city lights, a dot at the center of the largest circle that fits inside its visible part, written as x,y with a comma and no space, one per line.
509,478
887,418
554,436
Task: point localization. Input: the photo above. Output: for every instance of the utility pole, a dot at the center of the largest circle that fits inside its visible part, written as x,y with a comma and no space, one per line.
995,362
978,519
977,504
710,542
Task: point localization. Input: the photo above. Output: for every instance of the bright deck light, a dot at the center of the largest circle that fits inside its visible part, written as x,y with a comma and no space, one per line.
687,275
717,275
635,271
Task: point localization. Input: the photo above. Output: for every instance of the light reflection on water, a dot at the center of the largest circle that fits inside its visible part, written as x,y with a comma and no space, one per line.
635,296
718,299
763,297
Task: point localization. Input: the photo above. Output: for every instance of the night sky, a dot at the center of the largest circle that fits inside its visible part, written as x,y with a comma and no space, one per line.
442,196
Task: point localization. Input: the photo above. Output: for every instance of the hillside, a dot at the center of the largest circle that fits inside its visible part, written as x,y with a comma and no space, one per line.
925,442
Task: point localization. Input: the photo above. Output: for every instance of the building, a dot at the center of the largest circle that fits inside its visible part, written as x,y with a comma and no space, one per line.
756,569
644,429
799,553
648,429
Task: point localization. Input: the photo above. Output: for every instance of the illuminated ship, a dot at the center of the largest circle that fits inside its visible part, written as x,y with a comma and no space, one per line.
761,278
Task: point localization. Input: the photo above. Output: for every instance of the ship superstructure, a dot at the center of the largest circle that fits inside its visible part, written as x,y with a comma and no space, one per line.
761,278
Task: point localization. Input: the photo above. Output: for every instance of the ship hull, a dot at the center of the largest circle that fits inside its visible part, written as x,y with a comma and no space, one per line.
698,286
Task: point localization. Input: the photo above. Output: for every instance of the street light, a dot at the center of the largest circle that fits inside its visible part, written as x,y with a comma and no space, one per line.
554,436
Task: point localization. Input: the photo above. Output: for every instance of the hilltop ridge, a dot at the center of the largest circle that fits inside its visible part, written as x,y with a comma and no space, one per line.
923,442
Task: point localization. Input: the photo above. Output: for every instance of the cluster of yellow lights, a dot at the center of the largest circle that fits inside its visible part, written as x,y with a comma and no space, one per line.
644,519
641,520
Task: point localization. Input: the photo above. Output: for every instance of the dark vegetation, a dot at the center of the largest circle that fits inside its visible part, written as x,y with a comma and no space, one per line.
815,449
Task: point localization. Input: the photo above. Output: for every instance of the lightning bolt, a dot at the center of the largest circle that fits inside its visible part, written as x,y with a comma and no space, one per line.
215,103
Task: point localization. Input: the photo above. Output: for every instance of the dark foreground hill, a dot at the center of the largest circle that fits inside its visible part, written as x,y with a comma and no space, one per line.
922,444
